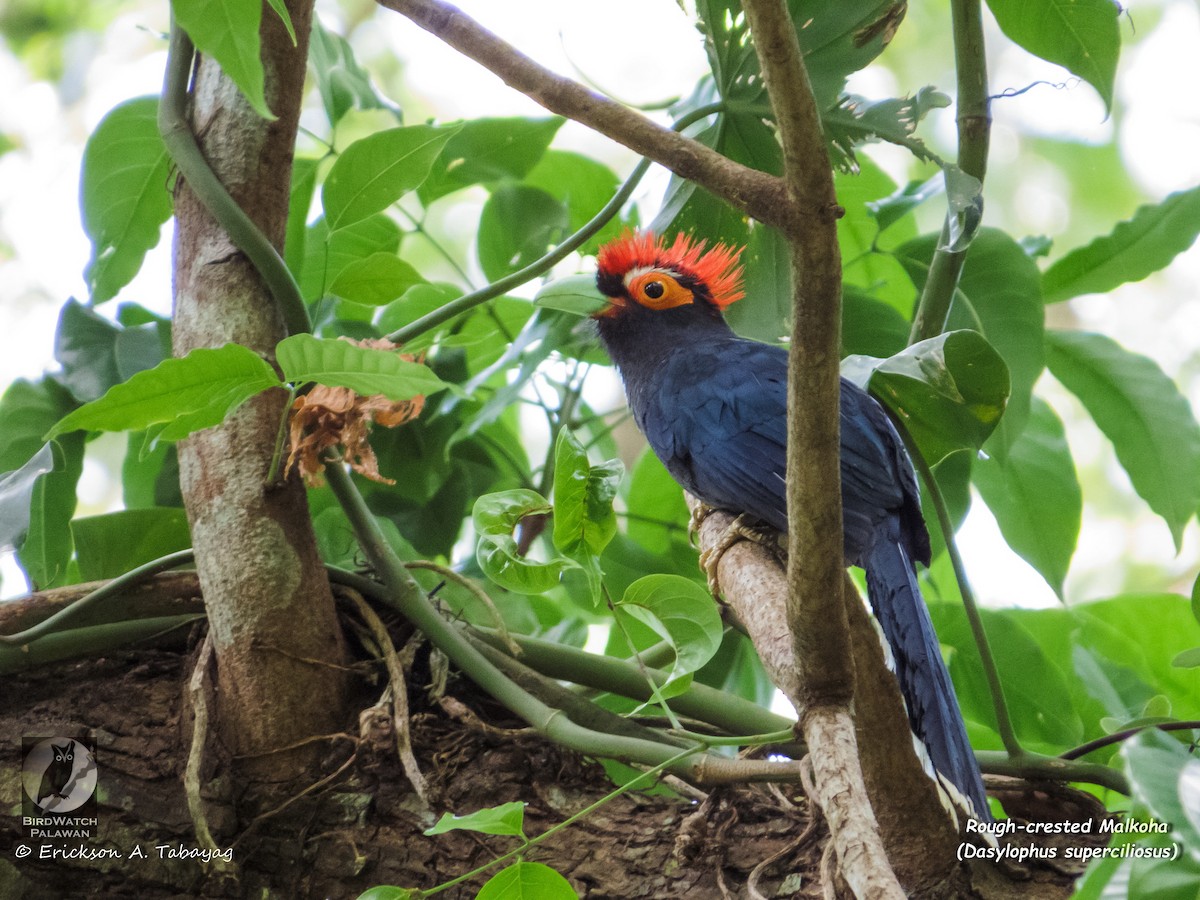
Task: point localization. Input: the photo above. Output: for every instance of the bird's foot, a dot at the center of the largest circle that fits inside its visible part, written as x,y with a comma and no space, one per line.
743,528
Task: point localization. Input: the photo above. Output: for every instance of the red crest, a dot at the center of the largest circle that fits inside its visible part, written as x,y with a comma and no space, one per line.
717,269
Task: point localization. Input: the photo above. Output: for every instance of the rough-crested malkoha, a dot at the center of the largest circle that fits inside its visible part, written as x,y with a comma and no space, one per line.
713,407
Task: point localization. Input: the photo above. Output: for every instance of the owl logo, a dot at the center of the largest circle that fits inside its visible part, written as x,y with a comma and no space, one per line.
59,775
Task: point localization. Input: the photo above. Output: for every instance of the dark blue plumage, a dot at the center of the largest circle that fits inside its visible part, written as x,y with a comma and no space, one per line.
713,407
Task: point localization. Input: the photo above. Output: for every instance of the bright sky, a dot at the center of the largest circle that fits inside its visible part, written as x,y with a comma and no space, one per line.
638,52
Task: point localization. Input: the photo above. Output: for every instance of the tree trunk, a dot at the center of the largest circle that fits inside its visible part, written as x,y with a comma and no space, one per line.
273,625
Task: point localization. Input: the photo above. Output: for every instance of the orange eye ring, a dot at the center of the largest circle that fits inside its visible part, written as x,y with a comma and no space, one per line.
658,290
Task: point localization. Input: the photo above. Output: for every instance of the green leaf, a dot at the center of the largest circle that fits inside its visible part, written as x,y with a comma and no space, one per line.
871,327
376,171
575,294
682,613
1029,667
28,410
868,270
856,120
1166,780
202,389
376,280
1134,249
304,185
1080,35
110,544
123,194
517,226
227,30
327,255
281,10
45,554
85,345
583,498
495,517
527,881
304,358
999,296
343,84
390,892
16,495
1035,495
1143,413
657,511
584,186
949,391
507,818
488,150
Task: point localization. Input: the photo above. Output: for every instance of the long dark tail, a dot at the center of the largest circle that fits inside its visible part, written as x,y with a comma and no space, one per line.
924,682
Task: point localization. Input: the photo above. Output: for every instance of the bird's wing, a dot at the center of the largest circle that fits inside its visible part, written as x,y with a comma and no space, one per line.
718,421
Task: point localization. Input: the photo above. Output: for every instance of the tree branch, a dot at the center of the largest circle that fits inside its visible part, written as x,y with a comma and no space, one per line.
757,194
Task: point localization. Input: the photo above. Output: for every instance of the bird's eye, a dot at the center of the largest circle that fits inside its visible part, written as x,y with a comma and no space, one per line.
657,289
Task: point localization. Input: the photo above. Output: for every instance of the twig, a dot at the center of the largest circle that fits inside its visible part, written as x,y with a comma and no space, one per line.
755,193
197,694
476,591
399,685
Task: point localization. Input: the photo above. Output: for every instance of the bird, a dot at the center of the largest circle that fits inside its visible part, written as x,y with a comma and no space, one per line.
57,775
713,408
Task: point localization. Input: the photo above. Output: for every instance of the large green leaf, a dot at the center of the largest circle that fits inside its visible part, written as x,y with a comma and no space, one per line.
1034,494
1038,690
1150,423
376,171
1080,35
227,30
1166,780
111,544
683,614
488,150
949,391
657,511
1134,249
28,410
123,194
999,296
304,358
200,389
865,269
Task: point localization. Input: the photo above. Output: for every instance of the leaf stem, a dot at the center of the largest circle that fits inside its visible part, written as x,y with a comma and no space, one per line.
990,672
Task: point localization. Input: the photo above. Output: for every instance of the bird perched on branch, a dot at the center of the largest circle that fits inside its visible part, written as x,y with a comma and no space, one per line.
713,406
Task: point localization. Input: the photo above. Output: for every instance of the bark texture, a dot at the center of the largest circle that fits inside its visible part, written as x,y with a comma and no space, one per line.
276,637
